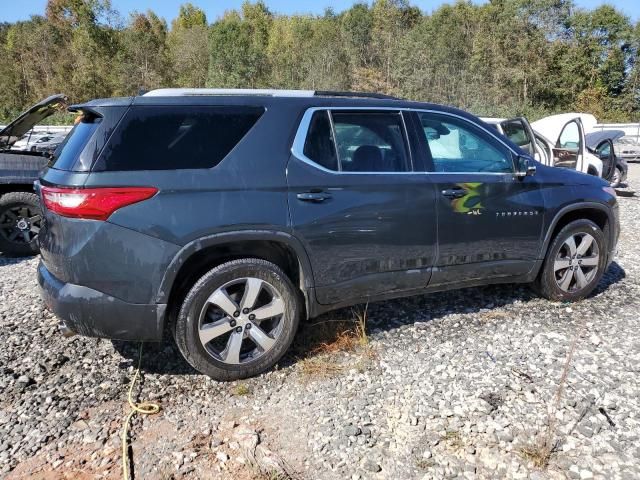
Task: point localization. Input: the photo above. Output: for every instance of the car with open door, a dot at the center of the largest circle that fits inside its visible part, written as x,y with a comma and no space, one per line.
20,213
603,144
563,137
519,131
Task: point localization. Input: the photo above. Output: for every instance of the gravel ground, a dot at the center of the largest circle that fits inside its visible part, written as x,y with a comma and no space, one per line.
465,384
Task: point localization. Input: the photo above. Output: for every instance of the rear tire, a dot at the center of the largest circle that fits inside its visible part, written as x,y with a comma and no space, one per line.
575,262
238,320
20,221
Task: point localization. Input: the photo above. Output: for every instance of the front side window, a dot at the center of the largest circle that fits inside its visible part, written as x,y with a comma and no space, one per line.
457,146
358,141
170,137
604,150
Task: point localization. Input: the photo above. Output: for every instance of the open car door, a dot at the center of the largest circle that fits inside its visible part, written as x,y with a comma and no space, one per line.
568,151
519,131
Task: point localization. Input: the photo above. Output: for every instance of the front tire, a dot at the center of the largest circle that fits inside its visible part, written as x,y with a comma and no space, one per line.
20,222
574,264
238,320
616,179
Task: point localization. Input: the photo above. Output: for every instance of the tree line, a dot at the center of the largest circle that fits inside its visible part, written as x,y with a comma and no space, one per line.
501,58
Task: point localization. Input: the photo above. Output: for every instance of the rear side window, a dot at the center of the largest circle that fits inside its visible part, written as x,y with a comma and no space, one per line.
169,137
69,150
358,141
319,145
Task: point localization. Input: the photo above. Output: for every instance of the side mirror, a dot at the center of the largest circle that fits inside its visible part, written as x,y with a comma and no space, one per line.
525,167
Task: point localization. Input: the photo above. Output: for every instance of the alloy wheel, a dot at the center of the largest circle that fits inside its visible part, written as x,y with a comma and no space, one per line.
20,224
241,320
577,262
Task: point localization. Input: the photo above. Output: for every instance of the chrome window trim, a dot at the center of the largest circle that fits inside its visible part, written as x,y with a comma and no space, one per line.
297,148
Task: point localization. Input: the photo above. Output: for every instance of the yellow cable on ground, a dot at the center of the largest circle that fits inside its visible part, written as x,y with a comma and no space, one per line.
146,408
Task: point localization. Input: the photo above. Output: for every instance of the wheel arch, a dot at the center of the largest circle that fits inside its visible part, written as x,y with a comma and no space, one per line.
203,254
596,212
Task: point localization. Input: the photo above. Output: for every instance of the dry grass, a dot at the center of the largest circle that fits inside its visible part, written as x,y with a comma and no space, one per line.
319,344
242,390
319,367
544,445
453,439
539,454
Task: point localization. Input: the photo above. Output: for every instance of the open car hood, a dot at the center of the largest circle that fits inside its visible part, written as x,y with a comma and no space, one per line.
551,127
34,115
593,139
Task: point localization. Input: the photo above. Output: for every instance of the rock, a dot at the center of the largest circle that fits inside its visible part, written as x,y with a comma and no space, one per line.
371,466
351,431
222,457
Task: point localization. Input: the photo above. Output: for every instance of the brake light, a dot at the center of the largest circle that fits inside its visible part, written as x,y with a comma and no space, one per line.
93,203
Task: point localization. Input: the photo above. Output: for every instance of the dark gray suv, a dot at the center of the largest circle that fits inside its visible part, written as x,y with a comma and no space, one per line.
227,216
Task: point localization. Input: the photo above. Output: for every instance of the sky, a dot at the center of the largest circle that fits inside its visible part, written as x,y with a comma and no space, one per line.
13,10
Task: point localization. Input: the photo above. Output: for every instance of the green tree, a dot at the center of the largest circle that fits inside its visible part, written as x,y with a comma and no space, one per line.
188,47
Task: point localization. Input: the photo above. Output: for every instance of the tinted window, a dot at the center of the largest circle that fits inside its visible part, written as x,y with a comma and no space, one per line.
67,153
319,145
457,146
515,131
167,138
371,142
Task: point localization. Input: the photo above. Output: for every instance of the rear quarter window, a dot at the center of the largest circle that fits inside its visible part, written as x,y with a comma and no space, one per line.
170,137
69,150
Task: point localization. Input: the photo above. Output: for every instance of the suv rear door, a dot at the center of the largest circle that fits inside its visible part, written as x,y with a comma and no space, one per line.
366,219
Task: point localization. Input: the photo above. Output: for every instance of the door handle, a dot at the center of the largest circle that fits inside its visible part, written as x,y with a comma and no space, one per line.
454,192
314,197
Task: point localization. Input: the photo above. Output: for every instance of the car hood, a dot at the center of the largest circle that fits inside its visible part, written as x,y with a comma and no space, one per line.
594,138
551,127
34,115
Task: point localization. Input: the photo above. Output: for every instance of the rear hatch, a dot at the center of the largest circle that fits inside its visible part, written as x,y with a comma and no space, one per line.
62,236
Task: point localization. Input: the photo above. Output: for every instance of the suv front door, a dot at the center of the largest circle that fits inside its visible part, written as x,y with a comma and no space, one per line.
489,220
366,219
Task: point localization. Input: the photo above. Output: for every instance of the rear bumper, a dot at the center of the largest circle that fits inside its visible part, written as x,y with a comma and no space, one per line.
95,314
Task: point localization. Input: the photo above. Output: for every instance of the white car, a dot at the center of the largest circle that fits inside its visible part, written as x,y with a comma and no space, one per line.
628,148
557,141
27,141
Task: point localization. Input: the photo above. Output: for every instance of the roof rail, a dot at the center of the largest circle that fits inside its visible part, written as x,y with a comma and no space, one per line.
180,92
331,93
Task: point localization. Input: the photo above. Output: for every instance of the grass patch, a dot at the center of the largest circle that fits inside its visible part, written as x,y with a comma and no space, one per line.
424,464
319,344
453,439
319,367
242,390
538,454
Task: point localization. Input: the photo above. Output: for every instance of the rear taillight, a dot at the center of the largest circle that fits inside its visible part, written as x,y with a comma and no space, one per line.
93,203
